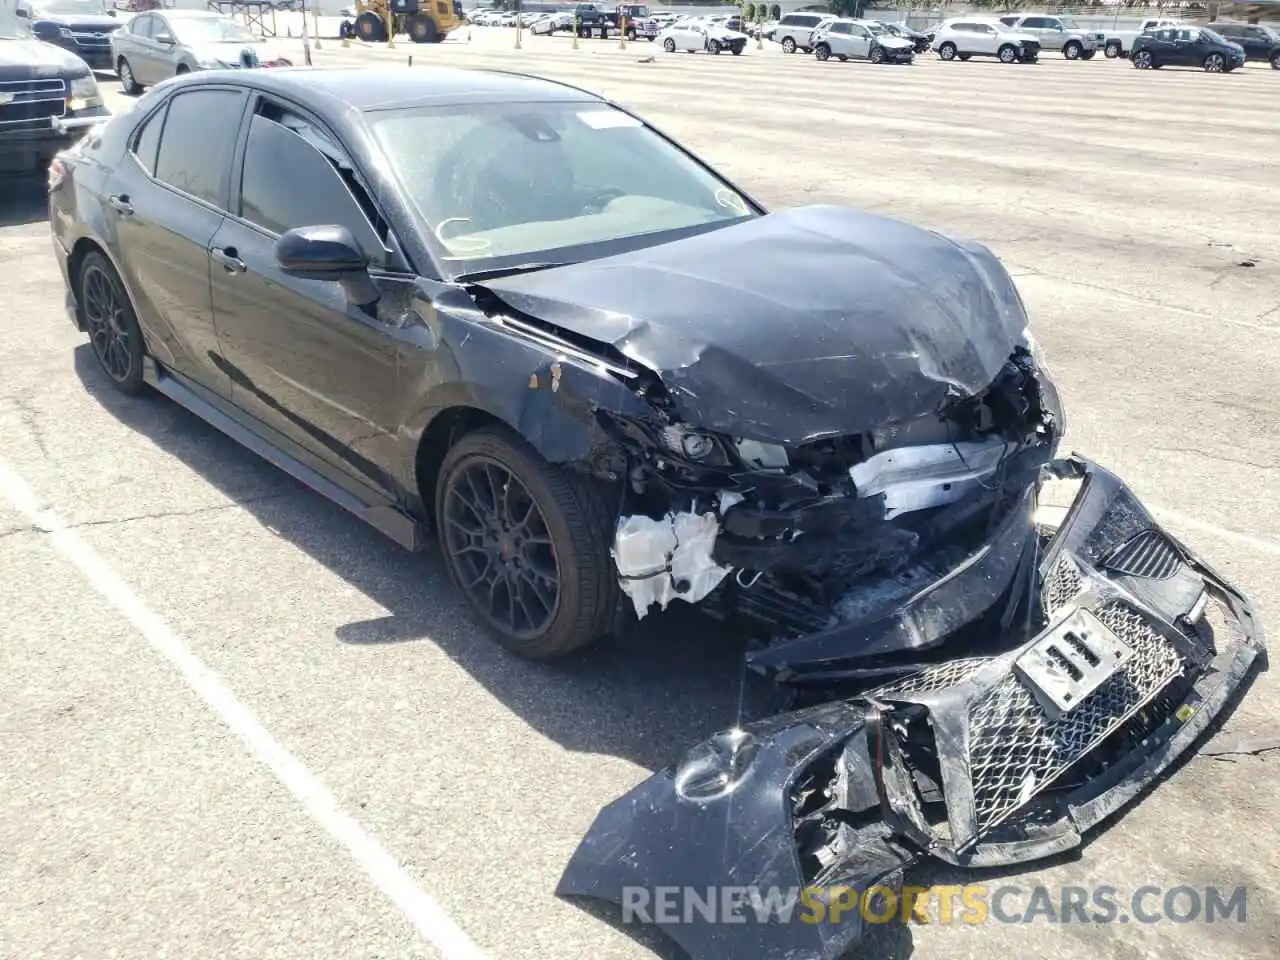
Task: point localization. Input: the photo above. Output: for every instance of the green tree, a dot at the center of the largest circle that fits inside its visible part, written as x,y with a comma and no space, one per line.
849,8
748,12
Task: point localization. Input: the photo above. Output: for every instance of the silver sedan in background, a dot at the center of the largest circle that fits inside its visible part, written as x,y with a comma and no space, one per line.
156,45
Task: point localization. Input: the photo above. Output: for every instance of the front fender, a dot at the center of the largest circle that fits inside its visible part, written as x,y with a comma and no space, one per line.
546,392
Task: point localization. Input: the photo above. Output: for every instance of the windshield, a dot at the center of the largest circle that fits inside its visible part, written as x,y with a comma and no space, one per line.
210,30
1068,22
504,184
64,7
1213,35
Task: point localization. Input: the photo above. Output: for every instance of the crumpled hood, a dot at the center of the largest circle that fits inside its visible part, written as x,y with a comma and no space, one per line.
33,59
894,43
816,321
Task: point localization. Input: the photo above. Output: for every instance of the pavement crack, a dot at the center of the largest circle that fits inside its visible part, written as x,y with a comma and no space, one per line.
1222,458
196,511
13,531
29,418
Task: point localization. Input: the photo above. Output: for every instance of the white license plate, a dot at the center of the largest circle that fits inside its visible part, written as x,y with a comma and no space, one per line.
1071,661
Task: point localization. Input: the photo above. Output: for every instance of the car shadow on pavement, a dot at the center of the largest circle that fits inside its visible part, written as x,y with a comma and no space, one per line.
646,698
23,200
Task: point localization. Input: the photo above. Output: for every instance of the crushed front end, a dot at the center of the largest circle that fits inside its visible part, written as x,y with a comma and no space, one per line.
1087,660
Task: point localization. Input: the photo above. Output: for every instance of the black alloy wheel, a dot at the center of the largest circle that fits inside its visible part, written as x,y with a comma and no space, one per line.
497,539
108,318
527,543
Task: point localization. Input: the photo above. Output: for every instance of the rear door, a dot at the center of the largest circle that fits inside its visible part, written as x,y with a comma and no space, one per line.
166,201
302,357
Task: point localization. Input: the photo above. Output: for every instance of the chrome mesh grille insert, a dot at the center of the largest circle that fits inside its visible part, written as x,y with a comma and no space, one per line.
1148,555
934,678
1016,750
1062,584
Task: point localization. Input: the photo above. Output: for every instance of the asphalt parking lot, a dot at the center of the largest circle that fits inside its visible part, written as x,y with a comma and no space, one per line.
236,722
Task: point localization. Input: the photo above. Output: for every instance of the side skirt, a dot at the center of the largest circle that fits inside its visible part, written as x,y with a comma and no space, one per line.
374,509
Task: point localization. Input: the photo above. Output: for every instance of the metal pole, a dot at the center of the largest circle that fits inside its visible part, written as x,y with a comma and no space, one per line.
576,28
306,37
391,28
622,28
315,19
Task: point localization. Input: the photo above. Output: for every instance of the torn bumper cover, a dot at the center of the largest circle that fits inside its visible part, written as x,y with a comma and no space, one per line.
1124,648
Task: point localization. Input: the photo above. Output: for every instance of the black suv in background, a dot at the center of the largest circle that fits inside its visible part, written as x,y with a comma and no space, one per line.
47,97
83,27
1260,42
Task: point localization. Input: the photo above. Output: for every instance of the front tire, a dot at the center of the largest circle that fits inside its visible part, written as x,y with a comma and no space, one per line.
822,52
1142,60
1008,53
107,315
947,51
788,45
1088,54
1275,60
371,28
877,55
714,47
669,45
1215,63
527,544
128,83
1072,50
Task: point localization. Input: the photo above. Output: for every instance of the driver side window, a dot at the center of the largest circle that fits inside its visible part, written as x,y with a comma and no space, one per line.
287,182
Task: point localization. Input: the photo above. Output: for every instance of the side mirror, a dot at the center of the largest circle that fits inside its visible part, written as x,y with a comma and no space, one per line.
164,38
46,31
327,252
22,12
112,13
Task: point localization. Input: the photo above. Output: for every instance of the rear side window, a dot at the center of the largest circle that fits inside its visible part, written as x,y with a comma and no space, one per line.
199,139
288,183
148,140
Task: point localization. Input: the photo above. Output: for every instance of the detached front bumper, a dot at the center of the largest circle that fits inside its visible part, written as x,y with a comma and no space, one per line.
964,759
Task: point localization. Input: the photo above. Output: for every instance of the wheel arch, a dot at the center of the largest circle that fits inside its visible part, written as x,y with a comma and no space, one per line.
82,247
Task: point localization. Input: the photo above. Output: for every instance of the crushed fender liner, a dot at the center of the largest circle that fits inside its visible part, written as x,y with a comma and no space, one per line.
1121,648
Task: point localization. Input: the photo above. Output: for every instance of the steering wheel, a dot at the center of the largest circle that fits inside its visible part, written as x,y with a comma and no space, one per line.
597,200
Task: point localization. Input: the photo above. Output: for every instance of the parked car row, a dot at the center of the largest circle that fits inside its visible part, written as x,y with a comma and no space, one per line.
1019,38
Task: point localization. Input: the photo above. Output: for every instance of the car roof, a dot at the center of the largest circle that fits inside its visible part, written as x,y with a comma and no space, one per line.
384,88
191,14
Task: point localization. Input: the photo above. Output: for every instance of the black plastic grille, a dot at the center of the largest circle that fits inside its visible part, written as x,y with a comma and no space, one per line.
1149,555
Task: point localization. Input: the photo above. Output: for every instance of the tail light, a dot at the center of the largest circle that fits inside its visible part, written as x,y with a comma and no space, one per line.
57,173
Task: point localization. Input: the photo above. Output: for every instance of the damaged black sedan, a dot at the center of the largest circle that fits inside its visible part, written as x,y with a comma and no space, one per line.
509,311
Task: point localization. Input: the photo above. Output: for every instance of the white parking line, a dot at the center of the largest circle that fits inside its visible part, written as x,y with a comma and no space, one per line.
430,920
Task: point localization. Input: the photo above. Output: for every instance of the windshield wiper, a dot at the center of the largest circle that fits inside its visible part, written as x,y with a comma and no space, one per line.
494,273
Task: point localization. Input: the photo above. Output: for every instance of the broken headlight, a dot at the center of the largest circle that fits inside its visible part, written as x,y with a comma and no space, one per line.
1034,348
688,442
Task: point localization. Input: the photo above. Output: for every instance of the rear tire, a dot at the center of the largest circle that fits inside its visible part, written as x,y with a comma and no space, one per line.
566,532
371,28
106,314
1088,54
1275,60
788,45
947,51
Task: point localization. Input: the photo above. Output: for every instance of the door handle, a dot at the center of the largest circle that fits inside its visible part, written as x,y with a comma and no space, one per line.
227,257
120,204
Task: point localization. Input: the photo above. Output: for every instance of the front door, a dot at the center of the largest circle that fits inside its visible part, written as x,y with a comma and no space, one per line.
302,357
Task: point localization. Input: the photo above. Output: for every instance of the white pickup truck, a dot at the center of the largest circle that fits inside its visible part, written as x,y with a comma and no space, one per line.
1120,42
